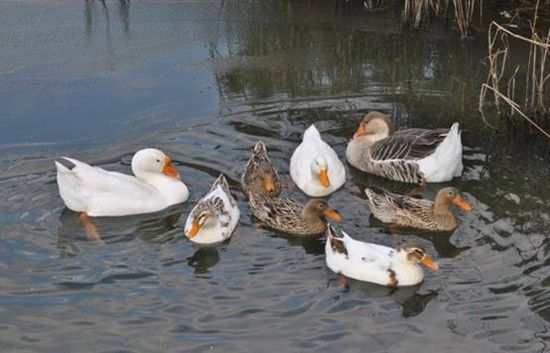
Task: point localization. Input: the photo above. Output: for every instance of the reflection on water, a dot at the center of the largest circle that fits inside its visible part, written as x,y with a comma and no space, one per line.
204,81
203,259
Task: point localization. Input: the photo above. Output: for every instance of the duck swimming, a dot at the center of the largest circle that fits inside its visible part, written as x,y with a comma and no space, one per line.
260,176
315,167
376,263
214,217
289,216
417,213
411,155
96,192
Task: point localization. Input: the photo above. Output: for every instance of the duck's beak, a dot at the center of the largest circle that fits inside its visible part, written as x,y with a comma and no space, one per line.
323,178
169,169
429,263
195,227
360,131
268,183
462,203
333,214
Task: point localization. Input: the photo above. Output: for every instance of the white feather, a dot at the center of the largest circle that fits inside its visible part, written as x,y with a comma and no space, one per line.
217,232
102,193
370,263
446,161
311,147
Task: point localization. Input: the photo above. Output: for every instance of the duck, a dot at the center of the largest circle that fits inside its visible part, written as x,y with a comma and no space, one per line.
412,212
368,262
410,156
290,216
96,192
214,217
260,176
315,166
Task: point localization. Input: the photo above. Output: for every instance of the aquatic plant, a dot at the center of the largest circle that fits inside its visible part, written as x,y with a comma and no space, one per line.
522,88
463,12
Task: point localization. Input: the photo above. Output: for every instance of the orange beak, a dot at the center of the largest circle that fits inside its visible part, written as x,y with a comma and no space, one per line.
169,168
429,263
323,178
360,131
268,183
460,202
333,214
194,229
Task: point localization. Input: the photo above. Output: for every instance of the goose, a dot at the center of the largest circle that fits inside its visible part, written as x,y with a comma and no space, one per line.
410,156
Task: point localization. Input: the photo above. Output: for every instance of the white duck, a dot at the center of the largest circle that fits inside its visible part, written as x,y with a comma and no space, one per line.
97,192
214,217
376,263
315,167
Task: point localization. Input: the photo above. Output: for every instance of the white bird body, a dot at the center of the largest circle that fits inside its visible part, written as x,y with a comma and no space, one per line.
98,192
374,263
214,217
302,164
446,161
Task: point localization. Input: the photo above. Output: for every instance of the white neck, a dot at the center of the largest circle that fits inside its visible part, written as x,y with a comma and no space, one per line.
172,190
407,274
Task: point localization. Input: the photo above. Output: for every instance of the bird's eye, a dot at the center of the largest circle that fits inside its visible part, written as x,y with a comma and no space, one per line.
158,160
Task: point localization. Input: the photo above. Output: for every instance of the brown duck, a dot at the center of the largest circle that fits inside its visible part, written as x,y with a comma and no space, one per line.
260,176
289,216
411,212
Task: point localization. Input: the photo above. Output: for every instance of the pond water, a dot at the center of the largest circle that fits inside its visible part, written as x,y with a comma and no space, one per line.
204,81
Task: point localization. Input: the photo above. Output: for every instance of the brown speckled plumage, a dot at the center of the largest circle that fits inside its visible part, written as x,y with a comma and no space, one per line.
288,215
412,212
257,167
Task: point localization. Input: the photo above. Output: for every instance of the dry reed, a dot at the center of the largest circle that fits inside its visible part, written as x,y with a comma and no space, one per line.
535,96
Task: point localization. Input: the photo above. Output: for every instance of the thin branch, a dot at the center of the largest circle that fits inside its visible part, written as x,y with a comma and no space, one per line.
515,106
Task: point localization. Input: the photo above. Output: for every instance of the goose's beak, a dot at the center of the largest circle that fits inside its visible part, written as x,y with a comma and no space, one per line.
195,227
360,131
268,183
429,263
462,203
323,178
333,214
169,169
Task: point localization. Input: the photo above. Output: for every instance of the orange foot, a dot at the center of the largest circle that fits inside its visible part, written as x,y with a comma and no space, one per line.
91,230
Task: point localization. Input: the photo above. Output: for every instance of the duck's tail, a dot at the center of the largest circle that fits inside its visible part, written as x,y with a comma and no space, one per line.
336,240
221,181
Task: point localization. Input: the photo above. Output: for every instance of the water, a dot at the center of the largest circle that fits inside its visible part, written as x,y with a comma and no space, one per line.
204,81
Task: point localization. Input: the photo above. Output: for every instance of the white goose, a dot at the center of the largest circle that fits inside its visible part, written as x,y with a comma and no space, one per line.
214,217
315,167
376,263
97,192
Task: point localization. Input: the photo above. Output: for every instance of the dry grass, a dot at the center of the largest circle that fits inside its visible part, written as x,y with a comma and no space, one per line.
526,84
463,12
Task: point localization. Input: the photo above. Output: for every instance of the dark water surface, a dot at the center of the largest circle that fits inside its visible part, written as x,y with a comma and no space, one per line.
204,81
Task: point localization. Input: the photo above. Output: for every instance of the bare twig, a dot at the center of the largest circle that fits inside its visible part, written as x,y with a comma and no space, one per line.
515,107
